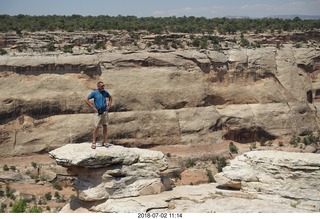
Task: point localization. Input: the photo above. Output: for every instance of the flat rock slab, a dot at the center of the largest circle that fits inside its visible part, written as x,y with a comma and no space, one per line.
82,155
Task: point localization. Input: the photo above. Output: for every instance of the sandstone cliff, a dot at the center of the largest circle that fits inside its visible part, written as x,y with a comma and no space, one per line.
161,97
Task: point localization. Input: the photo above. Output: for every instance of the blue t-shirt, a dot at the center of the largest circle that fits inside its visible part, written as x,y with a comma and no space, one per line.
99,99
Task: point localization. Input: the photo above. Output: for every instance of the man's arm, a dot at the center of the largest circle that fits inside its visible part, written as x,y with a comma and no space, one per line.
109,103
86,99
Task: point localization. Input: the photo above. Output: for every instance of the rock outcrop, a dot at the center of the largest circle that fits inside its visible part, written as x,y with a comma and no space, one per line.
285,177
127,180
113,172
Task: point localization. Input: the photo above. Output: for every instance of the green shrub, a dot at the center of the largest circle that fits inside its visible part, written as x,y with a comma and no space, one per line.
244,42
67,49
13,168
50,47
57,195
220,163
263,141
281,144
294,140
190,163
253,146
56,186
35,209
3,51
5,167
233,148
3,207
176,175
19,206
210,176
269,143
34,165
48,196
100,45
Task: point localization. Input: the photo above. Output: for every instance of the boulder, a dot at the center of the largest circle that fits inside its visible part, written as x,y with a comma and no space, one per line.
113,172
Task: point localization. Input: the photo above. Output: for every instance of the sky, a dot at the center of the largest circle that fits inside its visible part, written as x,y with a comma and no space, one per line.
162,8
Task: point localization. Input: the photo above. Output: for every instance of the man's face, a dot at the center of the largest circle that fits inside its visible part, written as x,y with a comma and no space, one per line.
101,87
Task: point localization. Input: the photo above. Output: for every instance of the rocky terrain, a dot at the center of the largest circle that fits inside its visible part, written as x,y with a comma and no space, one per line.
128,180
173,97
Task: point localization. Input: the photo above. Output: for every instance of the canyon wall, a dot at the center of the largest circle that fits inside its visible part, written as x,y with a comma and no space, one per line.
160,97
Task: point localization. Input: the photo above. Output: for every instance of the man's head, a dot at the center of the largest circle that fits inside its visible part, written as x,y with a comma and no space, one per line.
100,86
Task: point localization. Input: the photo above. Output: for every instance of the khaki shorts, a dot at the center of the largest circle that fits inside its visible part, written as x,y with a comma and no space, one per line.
102,119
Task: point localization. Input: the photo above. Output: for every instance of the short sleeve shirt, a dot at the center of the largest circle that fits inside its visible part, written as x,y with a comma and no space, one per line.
99,99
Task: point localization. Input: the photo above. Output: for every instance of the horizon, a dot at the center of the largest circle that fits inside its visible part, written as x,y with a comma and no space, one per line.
178,8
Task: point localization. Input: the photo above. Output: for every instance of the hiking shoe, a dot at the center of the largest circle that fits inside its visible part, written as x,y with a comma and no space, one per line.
105,144
93,146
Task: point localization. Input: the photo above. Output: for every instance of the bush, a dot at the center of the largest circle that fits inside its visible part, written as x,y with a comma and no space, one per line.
34,165
35,209
5,167
190,163
220,163
48,196
19,206
210,176
176,174
100,45
67,49
233,148
294,140
253,146
244,42
57,195
263,141
56,186
50,47
3,51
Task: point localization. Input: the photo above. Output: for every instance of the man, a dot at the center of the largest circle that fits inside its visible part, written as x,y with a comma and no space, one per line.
101,109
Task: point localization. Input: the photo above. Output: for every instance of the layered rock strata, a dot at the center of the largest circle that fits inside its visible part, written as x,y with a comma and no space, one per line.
285,177
176,97
127,180
113,172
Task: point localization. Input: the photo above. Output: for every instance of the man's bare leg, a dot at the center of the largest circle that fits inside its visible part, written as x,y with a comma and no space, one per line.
94,136
105,134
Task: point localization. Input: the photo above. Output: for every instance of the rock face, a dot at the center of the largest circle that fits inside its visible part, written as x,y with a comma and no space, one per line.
275,175
169,97
114,172
127,180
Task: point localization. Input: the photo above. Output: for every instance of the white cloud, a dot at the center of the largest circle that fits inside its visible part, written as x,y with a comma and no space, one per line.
189,11
308,7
